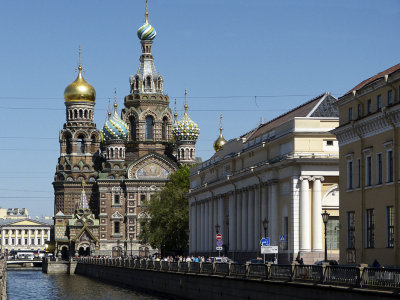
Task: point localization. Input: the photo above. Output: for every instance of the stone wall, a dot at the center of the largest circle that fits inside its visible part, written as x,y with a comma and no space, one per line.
202,286
3,279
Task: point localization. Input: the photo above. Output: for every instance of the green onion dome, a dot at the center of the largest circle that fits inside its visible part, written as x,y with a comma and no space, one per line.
186,129
146,32
115,128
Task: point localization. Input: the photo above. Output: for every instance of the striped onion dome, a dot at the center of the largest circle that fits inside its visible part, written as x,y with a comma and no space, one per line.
115,128
146,32
186,129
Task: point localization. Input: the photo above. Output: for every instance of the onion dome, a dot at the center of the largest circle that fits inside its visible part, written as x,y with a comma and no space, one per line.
146,32
79,90
115,128
220,141
186,129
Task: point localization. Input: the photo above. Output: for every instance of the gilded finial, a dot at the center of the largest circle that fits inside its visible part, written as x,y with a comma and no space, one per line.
220,123
83,185
175,113
80,56
109,107
220,142
186,106
147,12
115,100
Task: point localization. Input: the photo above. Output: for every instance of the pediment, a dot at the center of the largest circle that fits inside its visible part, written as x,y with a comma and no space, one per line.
117,215
151,167
27,223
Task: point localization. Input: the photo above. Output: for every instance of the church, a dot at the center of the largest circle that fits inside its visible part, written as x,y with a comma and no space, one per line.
105,176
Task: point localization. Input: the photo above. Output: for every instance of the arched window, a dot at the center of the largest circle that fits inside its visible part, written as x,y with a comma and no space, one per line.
183,154
75,114
132,122
86,114
149,127
164,128
68,144
80,114
148,82
191,153
112,153
120,153
80,147
90,114
137,82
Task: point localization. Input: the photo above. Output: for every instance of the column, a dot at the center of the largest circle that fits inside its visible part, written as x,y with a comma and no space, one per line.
250,221
48,234
192,238
2,237
304,214
257,213
244,219
201,248
316,214
9,237
29,237
231,242
36,233
42,236
273,222
264,207
23,237
239,221
211,229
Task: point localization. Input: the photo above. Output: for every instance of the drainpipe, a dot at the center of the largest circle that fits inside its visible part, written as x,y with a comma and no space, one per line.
234,212
389,119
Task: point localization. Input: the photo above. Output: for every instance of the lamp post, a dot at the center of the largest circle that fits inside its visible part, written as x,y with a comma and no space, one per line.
265,226
325,218
217,228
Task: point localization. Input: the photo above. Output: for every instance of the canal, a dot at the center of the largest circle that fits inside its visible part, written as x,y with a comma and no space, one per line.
36,285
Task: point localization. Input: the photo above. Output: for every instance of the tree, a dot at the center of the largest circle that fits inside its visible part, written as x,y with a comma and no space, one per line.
168,215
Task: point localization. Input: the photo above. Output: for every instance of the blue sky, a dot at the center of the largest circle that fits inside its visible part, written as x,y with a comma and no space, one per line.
224,52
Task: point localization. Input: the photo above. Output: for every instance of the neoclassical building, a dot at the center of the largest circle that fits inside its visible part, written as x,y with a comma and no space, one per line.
285,173
123,164
368,136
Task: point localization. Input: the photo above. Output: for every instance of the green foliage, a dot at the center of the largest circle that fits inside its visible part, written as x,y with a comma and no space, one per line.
169,215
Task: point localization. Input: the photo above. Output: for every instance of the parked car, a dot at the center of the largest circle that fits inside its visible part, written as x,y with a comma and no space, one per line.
330,262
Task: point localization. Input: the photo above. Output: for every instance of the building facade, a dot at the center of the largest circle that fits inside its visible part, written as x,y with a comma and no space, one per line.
123,164
283,174
368,138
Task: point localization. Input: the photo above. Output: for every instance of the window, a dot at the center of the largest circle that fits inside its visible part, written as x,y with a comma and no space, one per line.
379,168
149,127
148,82
116,227
350,114
116,199
390,226
369,106
368,171
359,110
332,233
6,241
164,128
378,102
370,228
26,241
350,175
390,97
32,241
80,145
358,173
389,167
142,199
132,122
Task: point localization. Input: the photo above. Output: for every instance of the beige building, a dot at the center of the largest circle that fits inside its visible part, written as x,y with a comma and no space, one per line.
284,172
13,213
368,137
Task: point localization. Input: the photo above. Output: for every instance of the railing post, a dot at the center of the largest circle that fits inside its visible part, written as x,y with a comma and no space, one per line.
201,267
247,269
293,273
214,267
362,274
324,277
268,273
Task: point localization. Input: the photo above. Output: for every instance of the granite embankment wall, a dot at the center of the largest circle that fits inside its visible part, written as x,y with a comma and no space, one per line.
3,279
202,286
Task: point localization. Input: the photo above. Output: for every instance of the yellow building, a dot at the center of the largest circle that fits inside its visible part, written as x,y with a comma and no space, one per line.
284,172
368,138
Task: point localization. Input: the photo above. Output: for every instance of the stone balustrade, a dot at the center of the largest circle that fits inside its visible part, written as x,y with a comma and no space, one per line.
350,276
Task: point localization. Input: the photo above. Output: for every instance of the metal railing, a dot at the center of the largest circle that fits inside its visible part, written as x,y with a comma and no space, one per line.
352,276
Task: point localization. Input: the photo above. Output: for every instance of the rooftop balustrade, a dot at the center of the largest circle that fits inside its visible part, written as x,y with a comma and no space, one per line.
351,276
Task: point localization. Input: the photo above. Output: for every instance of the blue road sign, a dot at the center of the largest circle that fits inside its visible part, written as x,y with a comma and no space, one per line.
219,243
265,241
282,238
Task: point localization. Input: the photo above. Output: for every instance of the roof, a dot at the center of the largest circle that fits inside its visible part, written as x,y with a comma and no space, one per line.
39,222
374,78
320,106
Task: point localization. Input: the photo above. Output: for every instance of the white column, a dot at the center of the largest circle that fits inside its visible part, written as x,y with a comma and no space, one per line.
2,237
42,236
304,214
23,237
232,223
273,223
264,207
244,219
192,237
257,213
29,237
201,231
211,213
9,236
316,214
48,234
250,221
239,221
36,233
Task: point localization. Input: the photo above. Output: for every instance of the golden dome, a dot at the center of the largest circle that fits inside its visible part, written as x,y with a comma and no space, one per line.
79,90
219,142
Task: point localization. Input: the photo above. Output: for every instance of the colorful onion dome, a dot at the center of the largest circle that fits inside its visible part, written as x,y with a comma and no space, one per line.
115,128
79,90
186,129
146,32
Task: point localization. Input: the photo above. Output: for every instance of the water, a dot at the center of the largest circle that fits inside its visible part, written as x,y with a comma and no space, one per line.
36,285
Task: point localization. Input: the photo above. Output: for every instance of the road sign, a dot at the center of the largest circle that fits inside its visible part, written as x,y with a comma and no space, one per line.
265,241
219,243
218,248
282,238
218,236
269,249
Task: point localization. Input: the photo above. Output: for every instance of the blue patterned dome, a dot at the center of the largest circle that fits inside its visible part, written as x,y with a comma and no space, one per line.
186,129
115,128
146,32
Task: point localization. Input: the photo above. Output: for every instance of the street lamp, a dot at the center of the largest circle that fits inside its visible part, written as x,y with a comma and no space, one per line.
265,226
325,218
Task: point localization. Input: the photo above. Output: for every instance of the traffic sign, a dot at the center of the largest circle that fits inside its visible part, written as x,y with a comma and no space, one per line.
218,248
218,236
265,241
269,249
219,243
282,238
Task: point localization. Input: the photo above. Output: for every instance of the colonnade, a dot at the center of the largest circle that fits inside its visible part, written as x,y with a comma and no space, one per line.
33,237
